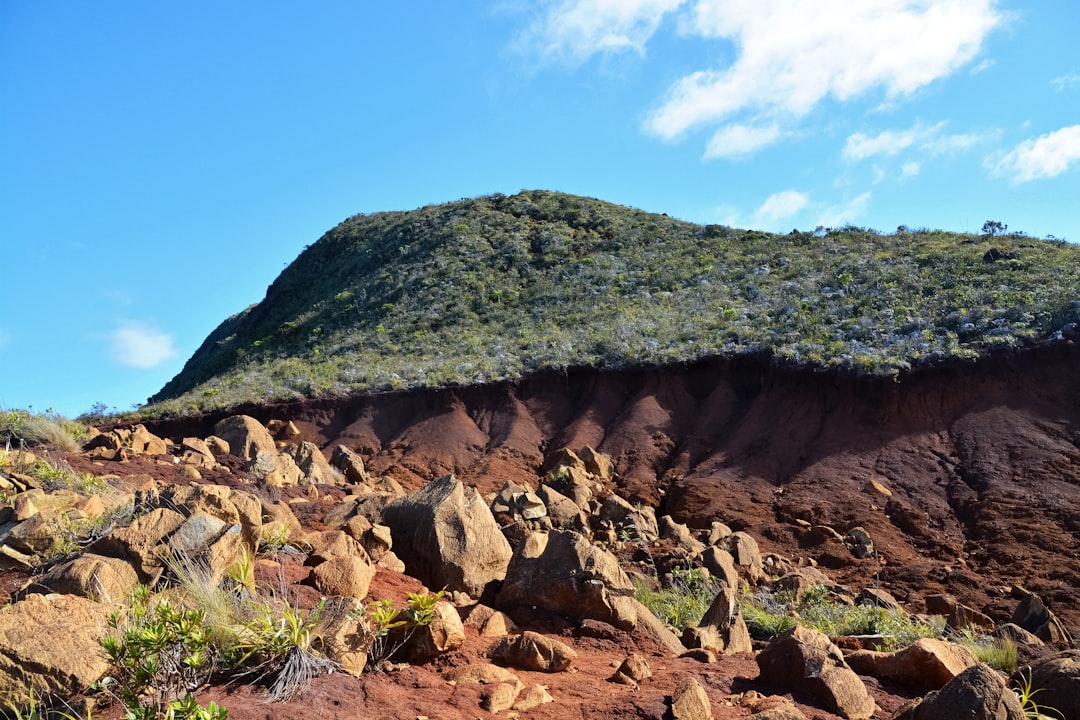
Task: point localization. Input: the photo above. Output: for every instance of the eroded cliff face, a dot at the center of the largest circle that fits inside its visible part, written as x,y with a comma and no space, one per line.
966,477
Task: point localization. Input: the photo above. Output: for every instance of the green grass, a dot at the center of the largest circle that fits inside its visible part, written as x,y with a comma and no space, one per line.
501,287
682,603
28,429
767,615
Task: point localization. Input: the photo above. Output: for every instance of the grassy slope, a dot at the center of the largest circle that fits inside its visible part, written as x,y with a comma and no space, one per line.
498,287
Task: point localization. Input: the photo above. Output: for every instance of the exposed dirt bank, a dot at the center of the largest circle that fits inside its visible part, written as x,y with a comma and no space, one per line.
975,467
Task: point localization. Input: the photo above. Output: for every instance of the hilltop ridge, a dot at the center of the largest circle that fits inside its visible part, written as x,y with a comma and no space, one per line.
501,287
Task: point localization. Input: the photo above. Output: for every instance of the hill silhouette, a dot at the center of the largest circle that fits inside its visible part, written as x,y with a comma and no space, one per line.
500,287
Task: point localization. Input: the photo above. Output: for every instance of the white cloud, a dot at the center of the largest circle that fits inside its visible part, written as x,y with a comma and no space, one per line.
844,214
732,141
139,346
795,53
888,143
1044,157
983,66
575,30
910,169
1065,81
779,206
927,138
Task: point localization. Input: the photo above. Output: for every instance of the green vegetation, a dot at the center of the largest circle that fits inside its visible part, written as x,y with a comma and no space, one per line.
381,618
683,602
500,287
767,615
1025,693
28,429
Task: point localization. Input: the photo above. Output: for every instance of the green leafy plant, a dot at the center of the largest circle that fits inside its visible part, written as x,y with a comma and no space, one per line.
278,640
160,653
383,619
1026,693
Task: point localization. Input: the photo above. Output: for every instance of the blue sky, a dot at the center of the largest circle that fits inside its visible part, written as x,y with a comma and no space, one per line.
160,163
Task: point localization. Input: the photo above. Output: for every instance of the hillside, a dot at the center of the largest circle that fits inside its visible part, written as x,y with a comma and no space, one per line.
503,287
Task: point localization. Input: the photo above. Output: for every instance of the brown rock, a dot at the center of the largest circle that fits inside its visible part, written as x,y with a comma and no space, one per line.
490,622
635,667
499,697
344,576
350,464
442,634
722,628
597,463
246,437
1057,680
98,578
978,693
447,537
345,637
532,651
927,662
49,645
535,696
689,701
806,660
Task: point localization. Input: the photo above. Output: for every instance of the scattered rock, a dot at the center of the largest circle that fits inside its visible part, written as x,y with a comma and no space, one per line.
927,662
246,437
689,701
447,537
344,576
978,693
532,651
806,660
722,628
49,645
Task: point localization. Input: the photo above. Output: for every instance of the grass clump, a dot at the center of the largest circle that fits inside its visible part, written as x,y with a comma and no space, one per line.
29,429
999,653
683,602
768,615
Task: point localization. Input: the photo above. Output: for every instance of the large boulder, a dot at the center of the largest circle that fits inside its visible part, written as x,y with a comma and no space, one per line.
225,503
49,646
562,572
978,693
689,701
96,577
532,651
1057,680
447,537
928,663
138,543
312,463
722,628
806,660
246,437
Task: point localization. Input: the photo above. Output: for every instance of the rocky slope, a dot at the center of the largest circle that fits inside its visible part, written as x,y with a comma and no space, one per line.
966,477
959,480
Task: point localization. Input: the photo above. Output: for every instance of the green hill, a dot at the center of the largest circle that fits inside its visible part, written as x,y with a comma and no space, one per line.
499,287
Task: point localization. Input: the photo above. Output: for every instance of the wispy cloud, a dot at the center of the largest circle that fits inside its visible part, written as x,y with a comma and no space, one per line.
930,139
846,212
793,54
780,206
910,169
1065,81
138,346
1046,156
574,30
733,141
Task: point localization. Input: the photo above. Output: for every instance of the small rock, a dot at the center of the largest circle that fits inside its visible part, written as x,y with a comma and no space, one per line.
689,701
532,651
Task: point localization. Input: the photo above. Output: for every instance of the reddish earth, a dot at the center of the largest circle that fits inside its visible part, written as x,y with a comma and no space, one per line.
982,462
